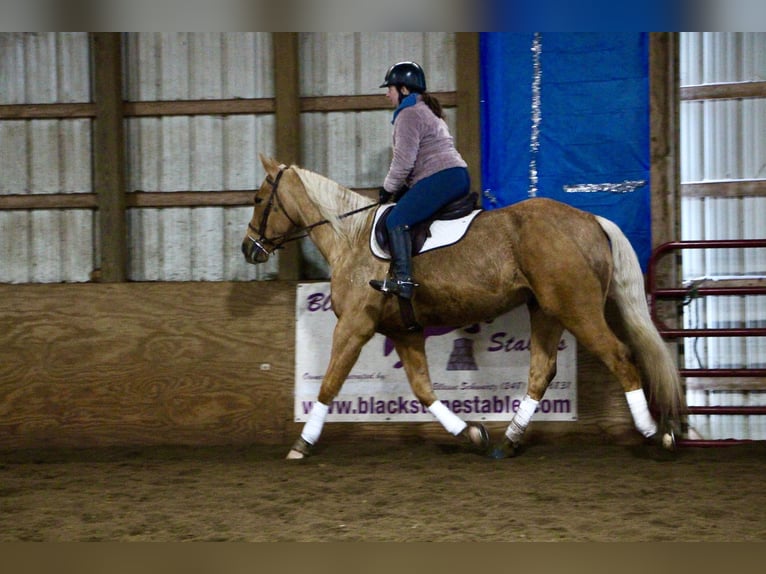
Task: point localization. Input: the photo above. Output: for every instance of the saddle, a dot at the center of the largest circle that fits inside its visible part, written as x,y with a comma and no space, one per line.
420,232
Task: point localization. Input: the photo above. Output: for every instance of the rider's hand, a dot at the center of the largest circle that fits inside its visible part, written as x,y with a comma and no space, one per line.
384,196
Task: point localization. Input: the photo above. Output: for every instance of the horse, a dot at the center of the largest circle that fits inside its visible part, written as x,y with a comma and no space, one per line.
564,264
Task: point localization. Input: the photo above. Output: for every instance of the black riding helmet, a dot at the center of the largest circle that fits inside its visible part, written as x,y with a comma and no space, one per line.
407,74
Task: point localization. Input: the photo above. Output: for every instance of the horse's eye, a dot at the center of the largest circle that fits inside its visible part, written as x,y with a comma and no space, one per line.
257,200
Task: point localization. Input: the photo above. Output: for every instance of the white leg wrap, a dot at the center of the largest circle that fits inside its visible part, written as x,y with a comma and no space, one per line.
313,427
521,419
449,420
640,411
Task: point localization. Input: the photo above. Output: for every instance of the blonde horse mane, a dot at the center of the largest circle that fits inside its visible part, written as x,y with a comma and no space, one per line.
333,200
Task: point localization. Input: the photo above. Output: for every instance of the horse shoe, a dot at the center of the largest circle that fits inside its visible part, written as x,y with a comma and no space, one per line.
505,449
300,450
477,435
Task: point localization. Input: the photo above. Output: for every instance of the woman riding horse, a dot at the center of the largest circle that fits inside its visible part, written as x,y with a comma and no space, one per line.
562,263
425,163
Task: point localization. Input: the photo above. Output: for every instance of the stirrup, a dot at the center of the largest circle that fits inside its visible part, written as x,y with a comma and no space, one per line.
399,287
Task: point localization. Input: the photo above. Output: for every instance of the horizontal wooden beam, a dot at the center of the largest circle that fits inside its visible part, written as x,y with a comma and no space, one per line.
49,201
738,188
142,199
728,91
343,103
238,106
200,107
190,198
362,103
135,199
47,111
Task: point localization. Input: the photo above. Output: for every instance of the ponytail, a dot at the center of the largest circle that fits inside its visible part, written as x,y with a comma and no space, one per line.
433,104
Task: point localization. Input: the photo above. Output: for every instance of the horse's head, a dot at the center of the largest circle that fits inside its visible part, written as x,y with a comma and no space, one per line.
270,225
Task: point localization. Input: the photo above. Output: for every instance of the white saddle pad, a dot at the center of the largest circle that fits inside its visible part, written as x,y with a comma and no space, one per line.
443,233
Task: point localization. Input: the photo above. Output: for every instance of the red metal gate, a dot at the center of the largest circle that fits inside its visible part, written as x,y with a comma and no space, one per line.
657,293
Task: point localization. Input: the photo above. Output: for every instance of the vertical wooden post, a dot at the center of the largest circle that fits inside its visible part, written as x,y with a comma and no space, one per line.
468,136
664,106
665,135
288,139
109,155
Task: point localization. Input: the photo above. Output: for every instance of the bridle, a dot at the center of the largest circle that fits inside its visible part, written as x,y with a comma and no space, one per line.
271,201
299,232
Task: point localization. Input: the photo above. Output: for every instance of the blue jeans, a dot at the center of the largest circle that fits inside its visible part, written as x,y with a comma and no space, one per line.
428,196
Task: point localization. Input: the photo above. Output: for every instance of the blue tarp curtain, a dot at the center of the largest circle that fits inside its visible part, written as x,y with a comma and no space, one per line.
575,106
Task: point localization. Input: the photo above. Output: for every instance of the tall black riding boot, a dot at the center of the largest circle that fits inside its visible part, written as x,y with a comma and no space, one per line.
402,284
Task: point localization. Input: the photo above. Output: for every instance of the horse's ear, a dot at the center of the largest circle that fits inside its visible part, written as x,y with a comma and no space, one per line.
270,165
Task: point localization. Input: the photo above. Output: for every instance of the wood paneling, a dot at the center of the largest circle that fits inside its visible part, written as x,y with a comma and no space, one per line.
193,364
151,363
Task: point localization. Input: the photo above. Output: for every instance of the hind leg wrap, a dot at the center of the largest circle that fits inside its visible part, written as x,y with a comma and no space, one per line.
640,411
521,419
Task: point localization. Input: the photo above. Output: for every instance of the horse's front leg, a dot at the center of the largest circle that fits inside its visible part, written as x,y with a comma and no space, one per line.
411,350
544,341
348,339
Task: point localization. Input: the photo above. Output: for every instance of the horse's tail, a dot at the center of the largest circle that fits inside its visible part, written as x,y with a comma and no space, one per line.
649,350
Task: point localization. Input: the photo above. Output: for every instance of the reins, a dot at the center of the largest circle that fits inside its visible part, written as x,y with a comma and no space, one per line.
303,231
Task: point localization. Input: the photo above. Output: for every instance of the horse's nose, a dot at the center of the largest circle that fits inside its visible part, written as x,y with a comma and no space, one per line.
247,250
253,251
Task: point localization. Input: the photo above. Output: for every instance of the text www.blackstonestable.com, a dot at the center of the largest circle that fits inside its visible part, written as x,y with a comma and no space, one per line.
408,406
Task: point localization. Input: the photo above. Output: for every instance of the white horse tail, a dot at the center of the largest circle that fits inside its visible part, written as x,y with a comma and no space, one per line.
649,349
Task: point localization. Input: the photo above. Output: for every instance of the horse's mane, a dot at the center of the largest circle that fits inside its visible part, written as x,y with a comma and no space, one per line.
333,200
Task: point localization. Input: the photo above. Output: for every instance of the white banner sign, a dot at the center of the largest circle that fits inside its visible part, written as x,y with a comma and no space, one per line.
479,371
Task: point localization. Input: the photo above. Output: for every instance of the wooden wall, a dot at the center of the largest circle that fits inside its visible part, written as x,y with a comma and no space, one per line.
133,364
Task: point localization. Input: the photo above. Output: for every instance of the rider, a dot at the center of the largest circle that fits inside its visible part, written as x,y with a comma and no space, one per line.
426,171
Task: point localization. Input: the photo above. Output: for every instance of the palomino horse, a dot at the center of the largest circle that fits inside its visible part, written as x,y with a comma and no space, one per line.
562,263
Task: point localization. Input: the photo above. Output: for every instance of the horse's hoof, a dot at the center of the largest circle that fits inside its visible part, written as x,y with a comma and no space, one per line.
666,440
477,435
505,449
498,453
663,446
669,441
295,455
300,450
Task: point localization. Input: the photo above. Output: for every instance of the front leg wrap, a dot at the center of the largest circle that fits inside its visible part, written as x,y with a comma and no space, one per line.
449,420
313,427
310,433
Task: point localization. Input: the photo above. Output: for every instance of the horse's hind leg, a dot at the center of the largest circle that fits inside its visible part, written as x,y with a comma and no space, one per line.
411,350
595,335
544,341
